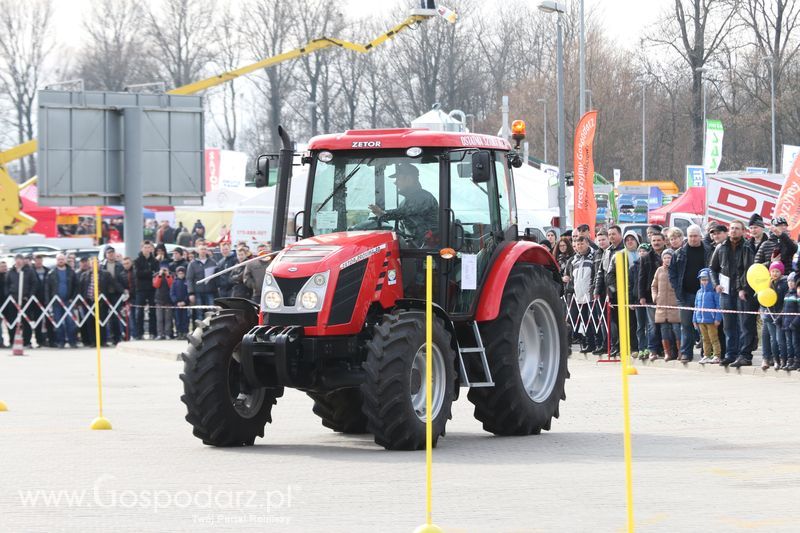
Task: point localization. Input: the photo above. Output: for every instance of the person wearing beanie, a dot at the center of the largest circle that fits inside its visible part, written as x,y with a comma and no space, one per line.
605,285
791,332
772,335
757,234
707,318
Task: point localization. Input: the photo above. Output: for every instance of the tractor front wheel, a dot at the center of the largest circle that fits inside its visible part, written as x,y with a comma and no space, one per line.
394,389
222,409
527,349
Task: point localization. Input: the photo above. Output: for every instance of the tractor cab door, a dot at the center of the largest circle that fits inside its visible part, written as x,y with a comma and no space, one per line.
480,214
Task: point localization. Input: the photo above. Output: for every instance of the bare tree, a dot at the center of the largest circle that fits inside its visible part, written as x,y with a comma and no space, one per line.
24,47
182,33
701,26
265,28
229,43
112,57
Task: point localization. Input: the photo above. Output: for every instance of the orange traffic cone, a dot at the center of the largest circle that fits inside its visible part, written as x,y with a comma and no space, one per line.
18,348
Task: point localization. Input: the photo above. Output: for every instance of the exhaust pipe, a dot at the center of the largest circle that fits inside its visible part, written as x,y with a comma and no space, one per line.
282,189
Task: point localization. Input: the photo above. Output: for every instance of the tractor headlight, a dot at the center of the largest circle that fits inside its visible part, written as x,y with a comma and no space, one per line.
309,300
272,299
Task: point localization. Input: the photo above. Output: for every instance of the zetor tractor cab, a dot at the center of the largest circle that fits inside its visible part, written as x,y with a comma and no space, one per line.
341,313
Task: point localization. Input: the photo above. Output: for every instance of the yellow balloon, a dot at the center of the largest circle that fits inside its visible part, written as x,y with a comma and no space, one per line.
767,297
758,277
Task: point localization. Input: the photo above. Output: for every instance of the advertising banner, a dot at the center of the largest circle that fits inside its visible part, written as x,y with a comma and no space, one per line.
789,200
583,167
225,169
737,196
713,155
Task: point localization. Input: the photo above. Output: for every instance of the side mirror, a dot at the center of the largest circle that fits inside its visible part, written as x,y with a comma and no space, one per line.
263,177
481,166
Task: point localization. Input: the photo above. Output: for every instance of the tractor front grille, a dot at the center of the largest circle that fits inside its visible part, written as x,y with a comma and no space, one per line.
346,295
290,287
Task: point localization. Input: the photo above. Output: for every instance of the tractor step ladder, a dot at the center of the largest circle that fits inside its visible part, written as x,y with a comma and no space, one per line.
487,374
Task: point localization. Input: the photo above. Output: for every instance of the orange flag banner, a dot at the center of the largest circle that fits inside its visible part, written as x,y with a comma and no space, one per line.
788,205
583,169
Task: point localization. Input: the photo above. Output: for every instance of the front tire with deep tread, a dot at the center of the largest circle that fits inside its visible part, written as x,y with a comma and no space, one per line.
387,390
209,380
340,410
507,408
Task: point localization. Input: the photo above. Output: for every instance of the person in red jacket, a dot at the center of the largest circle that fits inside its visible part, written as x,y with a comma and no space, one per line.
162,282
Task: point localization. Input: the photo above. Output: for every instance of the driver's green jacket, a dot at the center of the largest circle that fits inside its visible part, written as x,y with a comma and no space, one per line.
418,213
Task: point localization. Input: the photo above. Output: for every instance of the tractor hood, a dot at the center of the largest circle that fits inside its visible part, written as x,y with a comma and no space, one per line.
327,284
333,251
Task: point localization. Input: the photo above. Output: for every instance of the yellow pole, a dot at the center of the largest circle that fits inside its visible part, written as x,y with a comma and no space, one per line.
100,422
428,527
98,228
625,353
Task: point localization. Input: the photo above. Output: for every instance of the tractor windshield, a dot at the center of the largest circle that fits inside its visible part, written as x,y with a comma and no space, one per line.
376,190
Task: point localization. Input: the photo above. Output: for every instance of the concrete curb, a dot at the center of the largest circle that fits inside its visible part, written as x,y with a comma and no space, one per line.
169,349
693,366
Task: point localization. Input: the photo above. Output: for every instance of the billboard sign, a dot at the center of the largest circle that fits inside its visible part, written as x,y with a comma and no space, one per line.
790,153
731,196
713,154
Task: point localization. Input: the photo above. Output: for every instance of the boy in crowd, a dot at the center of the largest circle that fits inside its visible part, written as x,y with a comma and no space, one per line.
179,294
709,319
791,304
773,339
162,283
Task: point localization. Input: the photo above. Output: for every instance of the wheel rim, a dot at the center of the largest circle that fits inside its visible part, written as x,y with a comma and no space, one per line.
246,404
539,350
417,382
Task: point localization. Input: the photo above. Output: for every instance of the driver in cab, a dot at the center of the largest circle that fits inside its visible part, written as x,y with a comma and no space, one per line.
418,213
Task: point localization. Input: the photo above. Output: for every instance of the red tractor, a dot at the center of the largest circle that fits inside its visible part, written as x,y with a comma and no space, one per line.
341,314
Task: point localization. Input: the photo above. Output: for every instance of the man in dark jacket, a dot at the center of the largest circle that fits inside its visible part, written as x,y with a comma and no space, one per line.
145,266
690,259
201,293
116,289
601,277
61,285
225,259
86,289
729,265
648,264
598,313
45,336
779,246
21,279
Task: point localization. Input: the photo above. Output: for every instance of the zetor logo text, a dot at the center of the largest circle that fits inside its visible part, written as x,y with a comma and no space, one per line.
366,144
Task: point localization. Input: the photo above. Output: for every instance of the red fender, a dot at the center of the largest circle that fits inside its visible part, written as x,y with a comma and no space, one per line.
492,291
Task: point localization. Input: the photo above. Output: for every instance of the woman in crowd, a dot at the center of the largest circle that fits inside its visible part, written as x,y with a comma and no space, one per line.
564,253
667,315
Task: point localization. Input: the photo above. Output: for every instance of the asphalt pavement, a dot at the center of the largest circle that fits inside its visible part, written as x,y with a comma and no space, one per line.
713,451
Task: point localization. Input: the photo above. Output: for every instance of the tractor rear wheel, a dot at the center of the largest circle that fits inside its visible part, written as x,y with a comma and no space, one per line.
527,349
222,410
394,389
340,410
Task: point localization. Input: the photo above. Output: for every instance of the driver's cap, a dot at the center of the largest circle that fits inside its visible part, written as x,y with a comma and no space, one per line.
405,169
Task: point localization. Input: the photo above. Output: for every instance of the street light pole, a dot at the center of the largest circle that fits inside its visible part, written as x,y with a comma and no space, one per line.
771,62
544,126
553,6
644,136
589,94
582,61
703,70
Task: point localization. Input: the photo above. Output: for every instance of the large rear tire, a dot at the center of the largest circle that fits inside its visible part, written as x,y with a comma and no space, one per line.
394,389
221,409
527,348
340,410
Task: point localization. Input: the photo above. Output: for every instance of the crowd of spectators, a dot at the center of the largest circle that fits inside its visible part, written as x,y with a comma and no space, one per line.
155,295
688,292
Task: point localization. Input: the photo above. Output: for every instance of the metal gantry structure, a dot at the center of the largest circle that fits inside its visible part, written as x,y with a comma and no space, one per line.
14,221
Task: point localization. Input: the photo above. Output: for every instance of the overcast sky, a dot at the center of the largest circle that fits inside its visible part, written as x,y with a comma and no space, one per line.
624,20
